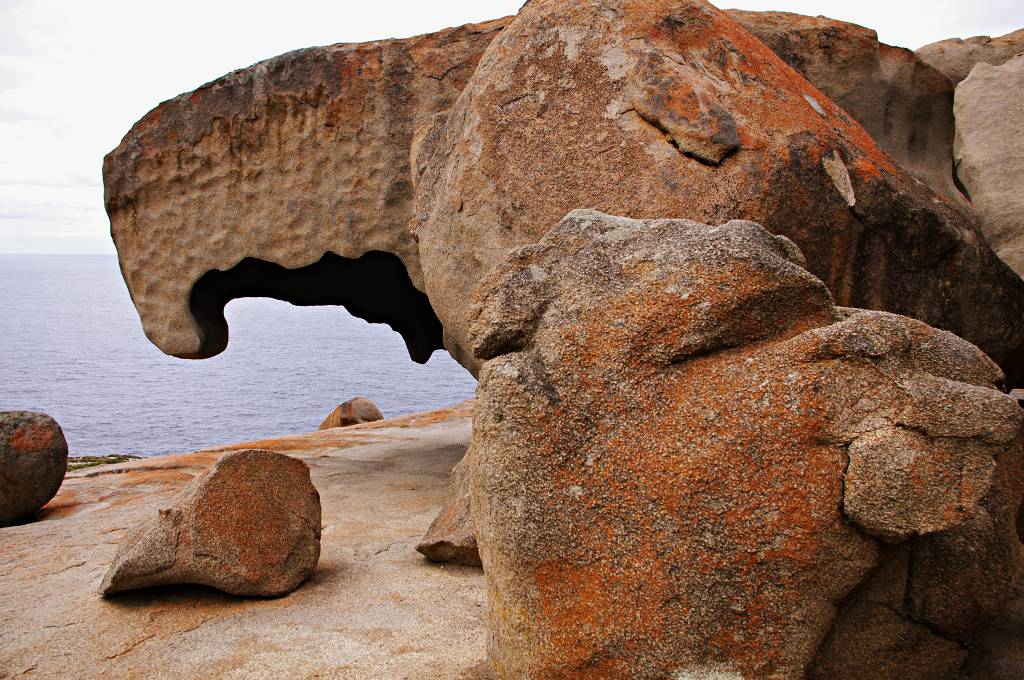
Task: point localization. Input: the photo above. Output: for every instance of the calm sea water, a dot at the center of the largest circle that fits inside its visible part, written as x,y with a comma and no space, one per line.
71,345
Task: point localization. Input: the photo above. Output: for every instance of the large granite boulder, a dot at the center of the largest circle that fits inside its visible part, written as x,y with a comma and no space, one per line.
249,525
990,153
352,412
287,179
33,459
904,104
956,57
688,463
670,108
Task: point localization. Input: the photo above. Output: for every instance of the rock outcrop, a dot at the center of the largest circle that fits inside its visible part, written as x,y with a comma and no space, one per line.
956,57
287,179
33,459
686,461
658,108
904,104
250,525
990,153
352,412
291,178
451,537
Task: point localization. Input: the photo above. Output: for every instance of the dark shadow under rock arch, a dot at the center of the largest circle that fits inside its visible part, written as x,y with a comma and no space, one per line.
375,287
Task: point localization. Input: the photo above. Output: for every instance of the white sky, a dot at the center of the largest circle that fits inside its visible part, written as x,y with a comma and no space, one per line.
75,75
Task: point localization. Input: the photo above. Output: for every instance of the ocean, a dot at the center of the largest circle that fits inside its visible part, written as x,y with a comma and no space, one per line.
72,346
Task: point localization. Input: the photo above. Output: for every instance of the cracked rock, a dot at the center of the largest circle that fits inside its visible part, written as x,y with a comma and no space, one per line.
249,525
690,458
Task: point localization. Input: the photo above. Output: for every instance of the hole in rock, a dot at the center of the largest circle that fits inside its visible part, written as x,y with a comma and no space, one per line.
375,287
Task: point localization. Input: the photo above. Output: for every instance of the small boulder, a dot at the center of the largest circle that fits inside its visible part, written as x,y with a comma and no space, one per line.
352,412
33,459
451,537
250,525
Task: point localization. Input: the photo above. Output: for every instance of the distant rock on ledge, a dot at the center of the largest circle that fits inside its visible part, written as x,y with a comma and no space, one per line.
250,525
352,412
33,459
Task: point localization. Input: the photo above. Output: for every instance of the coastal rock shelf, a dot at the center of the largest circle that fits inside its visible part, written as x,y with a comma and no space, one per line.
374,608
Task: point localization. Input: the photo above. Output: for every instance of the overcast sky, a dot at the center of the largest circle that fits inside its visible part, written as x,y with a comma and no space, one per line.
75,75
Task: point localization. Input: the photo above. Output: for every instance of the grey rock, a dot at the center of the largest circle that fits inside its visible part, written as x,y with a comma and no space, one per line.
989,153
956,57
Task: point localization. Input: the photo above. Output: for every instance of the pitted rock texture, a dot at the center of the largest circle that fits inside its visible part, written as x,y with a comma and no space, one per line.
990,153
686,461
905,104
956,57
33,459
250,525
668,108
352,412
283,162
451,537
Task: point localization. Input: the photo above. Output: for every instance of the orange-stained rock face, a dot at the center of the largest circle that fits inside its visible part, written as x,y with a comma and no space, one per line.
667,108
250,525
905,104
686,460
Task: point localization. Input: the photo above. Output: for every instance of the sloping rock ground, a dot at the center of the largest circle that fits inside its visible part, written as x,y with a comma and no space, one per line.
375,608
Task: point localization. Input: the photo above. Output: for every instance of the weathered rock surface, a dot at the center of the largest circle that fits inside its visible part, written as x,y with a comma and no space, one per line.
260,174
352,412
904,104
249,526
33,458
956,57
451,537
990,153
686,461
669,108
374,608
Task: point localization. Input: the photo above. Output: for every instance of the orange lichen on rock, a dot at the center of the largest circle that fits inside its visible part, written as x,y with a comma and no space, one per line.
652,109
675,465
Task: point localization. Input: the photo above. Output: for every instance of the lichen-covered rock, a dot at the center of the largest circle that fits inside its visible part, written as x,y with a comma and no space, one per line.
654,108
451,537
262,173
990,153
686,461
352,412
956,57
905,104
33,459
249,525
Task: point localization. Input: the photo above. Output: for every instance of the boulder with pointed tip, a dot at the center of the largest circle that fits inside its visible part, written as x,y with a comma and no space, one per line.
451,537
249,525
